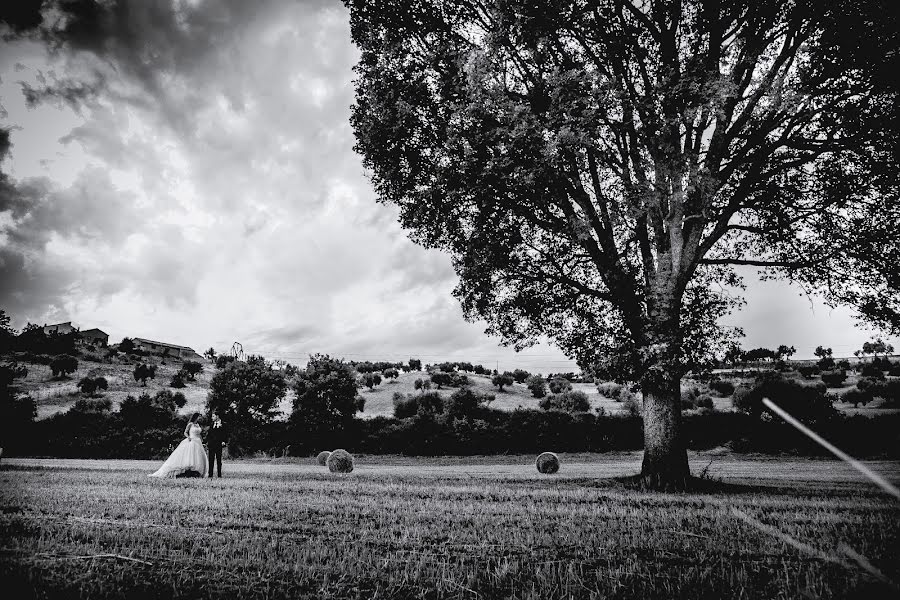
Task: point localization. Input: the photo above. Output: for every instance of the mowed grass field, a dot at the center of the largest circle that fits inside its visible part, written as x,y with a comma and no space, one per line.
475,527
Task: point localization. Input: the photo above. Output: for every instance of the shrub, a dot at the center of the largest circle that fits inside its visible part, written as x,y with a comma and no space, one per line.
411,404
223,360
62,365
610,390
340,461
87,386
85,406
537,386
322,458
894,370
177,380
806,402
571,402
705,401
742,401
631,404
722,387
834,379
871,370
558,385
857,396
391,374
689,398
808,371
465,402
547,463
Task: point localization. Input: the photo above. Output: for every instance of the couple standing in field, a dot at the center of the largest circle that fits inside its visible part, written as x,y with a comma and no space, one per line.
189,458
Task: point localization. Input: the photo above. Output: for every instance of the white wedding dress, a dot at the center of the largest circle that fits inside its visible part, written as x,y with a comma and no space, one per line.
188,456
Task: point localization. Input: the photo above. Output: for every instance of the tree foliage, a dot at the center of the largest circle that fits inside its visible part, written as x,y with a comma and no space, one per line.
63,365
246,394
325,401
142,372
597,169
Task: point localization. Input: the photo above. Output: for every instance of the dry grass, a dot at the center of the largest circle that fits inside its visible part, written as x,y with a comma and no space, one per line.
427,529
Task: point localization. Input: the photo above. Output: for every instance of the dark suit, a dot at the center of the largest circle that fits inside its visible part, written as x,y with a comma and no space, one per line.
216,439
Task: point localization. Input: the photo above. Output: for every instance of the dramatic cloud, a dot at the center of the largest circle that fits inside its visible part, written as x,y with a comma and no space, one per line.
184,170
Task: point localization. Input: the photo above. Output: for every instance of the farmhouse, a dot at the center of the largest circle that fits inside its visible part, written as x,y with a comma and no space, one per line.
94,337
164,348
59,328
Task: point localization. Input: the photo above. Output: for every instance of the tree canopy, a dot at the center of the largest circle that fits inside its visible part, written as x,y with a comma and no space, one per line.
597,168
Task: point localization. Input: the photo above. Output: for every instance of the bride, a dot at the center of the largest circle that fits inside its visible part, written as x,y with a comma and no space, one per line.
188,456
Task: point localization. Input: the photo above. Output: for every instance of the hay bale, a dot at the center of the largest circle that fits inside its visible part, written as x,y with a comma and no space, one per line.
547,462
322,458
340,461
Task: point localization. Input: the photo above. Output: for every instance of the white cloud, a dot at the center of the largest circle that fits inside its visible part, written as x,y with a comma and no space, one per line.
207,192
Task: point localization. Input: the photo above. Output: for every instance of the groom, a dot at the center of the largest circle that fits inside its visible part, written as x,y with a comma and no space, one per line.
216,438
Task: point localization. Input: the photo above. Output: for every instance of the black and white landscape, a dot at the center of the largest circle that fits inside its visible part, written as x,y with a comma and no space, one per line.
562,299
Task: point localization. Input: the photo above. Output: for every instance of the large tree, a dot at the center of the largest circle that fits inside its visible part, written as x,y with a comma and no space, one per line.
596,168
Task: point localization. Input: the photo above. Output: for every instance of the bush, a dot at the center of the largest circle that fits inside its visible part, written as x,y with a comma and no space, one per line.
806,402
808,371
558,385
465,402
705,401
177,380
571,402
62,365
411,404
537,386
340,461
631,404
547,463
322,458
722,387
871,370
834,379
610,390
894,371
856,396
689,398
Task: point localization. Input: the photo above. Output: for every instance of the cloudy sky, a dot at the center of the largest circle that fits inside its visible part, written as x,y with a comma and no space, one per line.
183,170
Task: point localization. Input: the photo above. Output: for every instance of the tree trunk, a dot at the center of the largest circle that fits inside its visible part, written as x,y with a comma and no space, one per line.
665,465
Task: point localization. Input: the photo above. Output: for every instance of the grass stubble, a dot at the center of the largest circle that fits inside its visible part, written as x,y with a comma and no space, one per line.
452,532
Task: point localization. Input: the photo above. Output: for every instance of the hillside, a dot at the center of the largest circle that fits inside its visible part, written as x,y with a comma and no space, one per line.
54,395
379,402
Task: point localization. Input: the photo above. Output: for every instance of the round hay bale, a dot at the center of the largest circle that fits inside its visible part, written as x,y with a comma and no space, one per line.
340,461
322,458
547,462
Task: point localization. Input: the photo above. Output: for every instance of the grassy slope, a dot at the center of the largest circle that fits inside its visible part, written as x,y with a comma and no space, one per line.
380,401
52,396
431,530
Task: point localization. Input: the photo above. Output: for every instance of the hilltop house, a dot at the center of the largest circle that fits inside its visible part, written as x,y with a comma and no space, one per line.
94,337
59,328
165,349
